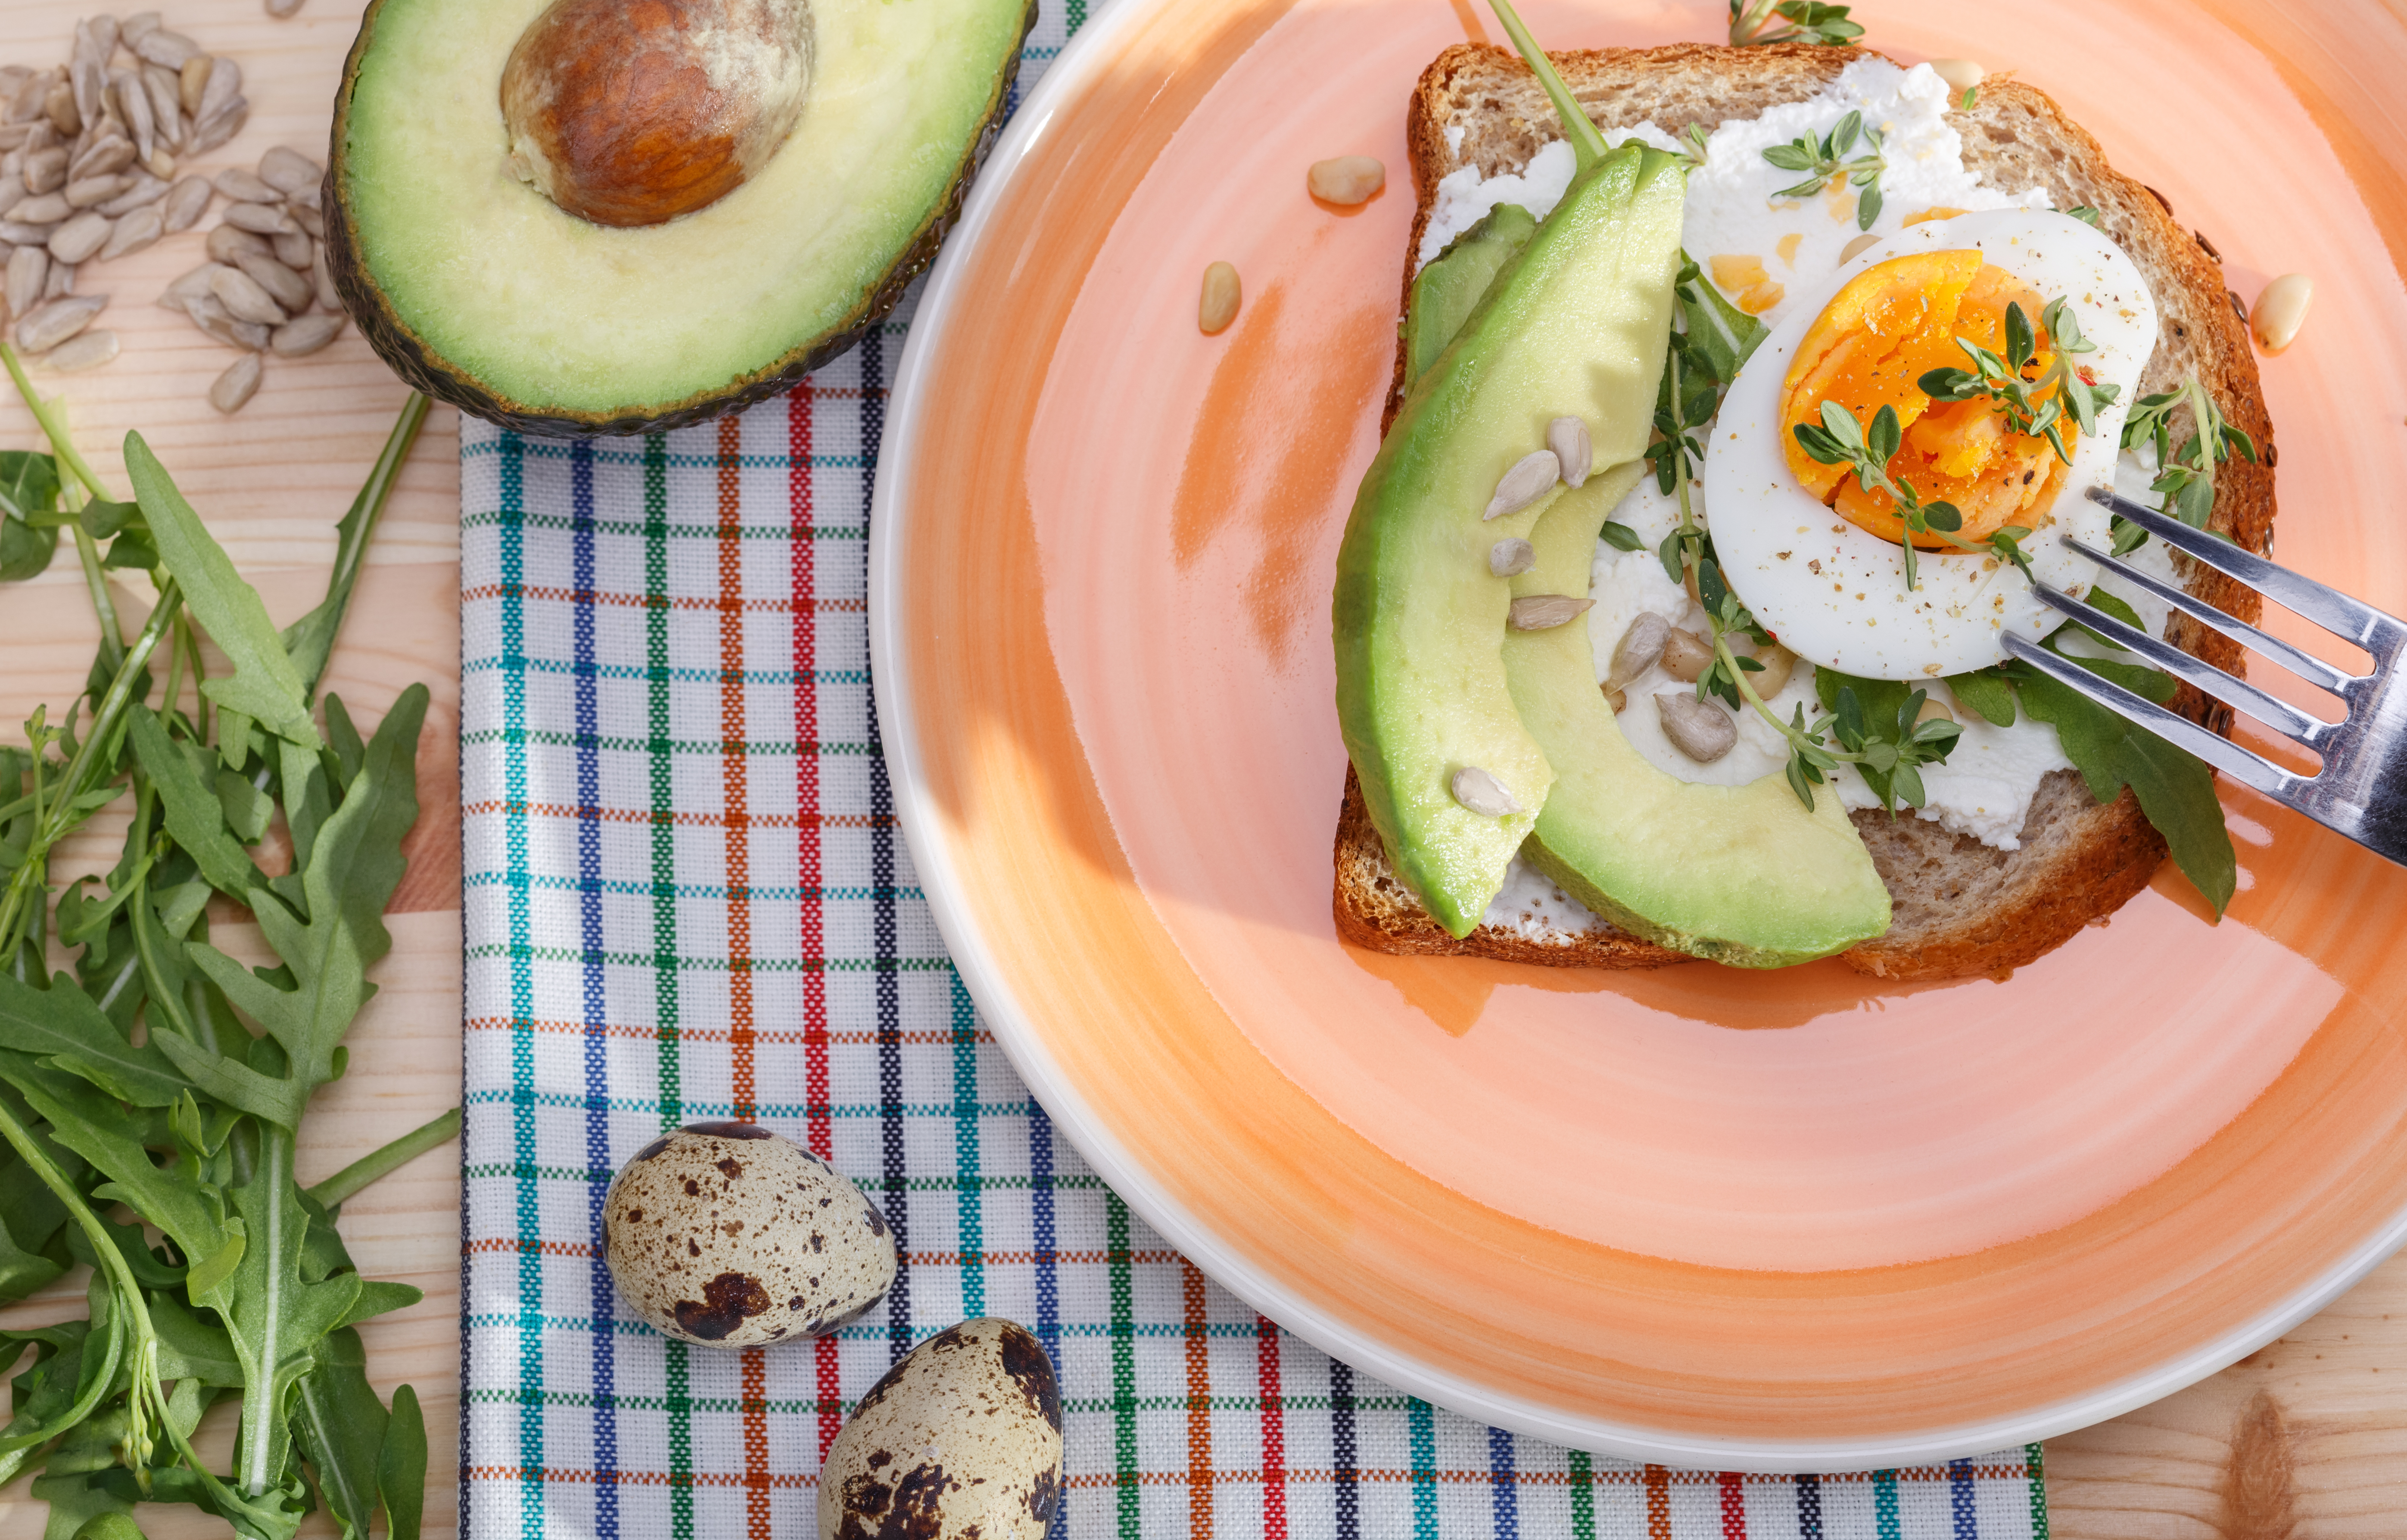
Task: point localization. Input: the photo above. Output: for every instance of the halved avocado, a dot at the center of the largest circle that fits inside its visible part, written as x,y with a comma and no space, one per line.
480,291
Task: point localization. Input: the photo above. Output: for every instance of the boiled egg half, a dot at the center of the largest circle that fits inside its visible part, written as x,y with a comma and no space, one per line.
1817,558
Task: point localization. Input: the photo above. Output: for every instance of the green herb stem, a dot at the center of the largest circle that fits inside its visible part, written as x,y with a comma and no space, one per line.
96,582
53,425
385,1162
1588,141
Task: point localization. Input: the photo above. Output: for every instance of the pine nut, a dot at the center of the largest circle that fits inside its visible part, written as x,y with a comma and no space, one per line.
1961,75
1686,656
2281,309
1222,296
1778,664
1347,179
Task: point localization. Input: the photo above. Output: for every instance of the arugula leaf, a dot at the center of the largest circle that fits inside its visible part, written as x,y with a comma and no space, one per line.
355,865
61,1026
191,1346
264,686
402,1477
25,550
2175,791
1987,692
195,806
341,1425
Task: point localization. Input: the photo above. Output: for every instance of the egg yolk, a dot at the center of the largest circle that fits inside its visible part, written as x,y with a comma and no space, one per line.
1868,348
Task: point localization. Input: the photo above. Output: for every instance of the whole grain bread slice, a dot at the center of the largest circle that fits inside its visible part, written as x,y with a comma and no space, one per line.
1961,908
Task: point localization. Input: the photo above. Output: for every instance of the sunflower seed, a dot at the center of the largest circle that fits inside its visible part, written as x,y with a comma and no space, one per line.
191,81
110,152
1480,791
88,352
260,219
294,251
187,201
12,192
1532,477
236,385
241,186
135,28
244,299
1700,729
307,198
212,318
1217,305
13,137
29,267
60,281
15,233
134,101
1568,437
223,85
328,296
45,170
80,236
287,288
167,49
282,8
60,106
307,334
1546,611
134,233
227,241
30,100
93,191
49,208
289,171
101,32
193,285
162,164
13,76
1511,558
52,323
168,118
306,215
145,191
216,129
1638,648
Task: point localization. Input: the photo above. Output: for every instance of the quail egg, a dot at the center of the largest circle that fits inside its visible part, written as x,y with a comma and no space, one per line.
730,1235
961,1439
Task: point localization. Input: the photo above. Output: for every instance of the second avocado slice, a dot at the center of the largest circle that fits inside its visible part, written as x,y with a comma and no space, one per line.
1742,875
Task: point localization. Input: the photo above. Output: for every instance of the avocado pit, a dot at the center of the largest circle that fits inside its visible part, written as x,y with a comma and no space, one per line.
632,114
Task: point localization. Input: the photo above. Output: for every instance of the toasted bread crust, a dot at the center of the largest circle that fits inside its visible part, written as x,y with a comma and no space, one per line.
1962,909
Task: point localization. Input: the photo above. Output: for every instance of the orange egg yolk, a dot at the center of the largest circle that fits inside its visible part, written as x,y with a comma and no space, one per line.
1892,323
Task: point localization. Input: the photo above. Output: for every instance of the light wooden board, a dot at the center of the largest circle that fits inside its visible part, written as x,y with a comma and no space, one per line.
2324,1454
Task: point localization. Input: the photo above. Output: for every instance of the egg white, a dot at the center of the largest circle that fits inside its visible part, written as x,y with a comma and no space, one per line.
1835,594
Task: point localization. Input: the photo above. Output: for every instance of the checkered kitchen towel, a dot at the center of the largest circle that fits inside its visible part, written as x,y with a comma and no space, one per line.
687,899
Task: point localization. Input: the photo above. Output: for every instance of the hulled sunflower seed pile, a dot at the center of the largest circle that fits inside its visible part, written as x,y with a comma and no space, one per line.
88,164
267,269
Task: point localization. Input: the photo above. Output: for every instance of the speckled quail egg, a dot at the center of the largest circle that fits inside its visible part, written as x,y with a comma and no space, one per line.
961,1438
728,1234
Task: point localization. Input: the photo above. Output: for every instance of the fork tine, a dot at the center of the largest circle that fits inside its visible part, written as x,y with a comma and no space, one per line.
2305,664
2276,714
2175,729
2336,612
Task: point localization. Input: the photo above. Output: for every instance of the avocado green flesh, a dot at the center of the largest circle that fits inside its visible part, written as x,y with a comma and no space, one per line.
1574,325
1451,287
1742,875
510,306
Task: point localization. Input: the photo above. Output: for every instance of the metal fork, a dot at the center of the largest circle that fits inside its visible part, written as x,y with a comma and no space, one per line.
2361,791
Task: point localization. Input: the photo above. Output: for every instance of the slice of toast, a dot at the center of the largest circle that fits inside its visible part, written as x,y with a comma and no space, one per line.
1962,908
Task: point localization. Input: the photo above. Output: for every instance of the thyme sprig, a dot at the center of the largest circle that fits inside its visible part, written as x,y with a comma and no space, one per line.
1841,440
1886,749
2185,475
2034,408
1752,24
1826,159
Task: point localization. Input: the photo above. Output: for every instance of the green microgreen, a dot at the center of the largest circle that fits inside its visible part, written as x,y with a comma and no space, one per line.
2185,473
1753,23
1710,338
2035,407
2085,213
1826,159
1841,440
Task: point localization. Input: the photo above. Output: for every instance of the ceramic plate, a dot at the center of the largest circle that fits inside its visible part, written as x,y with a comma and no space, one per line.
1780,1221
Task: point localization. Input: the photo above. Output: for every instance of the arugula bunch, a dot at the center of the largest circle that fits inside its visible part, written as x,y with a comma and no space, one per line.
1751,23
2185,475
2033,407
161,1083
1825,158
1841,440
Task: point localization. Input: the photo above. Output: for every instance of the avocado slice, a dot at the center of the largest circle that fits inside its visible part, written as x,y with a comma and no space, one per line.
1574,325
480,291
1452,286
1742,875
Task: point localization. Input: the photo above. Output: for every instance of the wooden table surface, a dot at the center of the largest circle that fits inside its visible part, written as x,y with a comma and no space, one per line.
2306,1438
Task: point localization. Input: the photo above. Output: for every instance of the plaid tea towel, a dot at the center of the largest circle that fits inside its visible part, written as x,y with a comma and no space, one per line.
687,899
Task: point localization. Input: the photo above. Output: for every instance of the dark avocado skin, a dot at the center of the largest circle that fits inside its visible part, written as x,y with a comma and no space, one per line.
429,372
